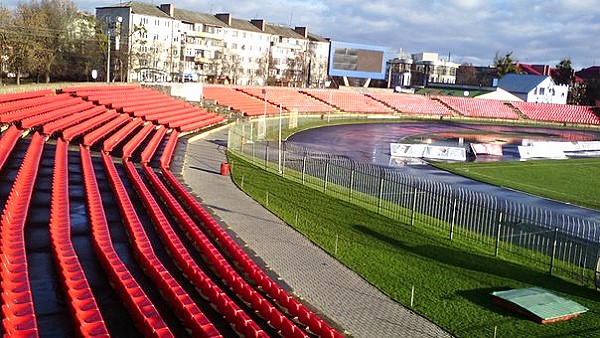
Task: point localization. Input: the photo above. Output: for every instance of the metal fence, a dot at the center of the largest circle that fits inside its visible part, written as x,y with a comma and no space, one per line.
563,244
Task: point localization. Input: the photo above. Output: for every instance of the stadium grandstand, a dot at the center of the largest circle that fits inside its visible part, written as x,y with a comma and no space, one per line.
90,205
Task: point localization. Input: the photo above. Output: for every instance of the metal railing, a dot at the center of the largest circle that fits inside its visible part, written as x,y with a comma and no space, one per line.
563,244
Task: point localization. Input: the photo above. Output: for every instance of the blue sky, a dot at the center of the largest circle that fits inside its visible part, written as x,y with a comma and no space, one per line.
472,31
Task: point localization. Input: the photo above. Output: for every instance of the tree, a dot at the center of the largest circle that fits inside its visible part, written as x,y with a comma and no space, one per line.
466,74
564,73
505,65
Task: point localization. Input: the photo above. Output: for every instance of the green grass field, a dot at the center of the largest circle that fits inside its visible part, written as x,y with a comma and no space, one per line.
576,181
452,279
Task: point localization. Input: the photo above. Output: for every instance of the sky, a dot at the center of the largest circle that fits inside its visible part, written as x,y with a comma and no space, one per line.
467,31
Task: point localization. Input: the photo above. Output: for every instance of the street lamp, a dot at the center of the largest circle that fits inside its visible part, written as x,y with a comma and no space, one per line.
110,27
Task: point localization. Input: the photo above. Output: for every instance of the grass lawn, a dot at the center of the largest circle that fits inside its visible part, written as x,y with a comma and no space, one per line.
452,279
575,181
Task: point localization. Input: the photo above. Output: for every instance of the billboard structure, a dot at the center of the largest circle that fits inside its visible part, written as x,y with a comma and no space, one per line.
357,61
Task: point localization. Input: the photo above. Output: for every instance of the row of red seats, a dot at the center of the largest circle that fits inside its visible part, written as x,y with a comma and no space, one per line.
246,104
98,89
41,119
233,313
80,299
57,102
348,101
17,303
27,103
295,308
137,140
144,253
144,313
558,112
117,137
71,120
7,142
84,127
289,99
156,107
412,104
153,144
221,267
167,153
25,95
89,139
479,107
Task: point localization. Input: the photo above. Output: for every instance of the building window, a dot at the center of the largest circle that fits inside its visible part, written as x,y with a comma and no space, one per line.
542,91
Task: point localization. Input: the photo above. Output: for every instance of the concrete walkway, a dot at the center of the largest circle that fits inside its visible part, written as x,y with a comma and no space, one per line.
324,284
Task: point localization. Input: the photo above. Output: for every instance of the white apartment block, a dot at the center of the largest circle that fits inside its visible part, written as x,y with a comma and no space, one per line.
163,43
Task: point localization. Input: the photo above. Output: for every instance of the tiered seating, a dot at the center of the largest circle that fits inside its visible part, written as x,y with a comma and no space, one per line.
295,308
137,139
7,143
562,113
81,128
154,106
259,312
479,108
91,138
32,109
17,303
143,311
121,134
236,100
289,99
348,101
25,95
169,287
412,104
221,266
80,299
73,108
71,120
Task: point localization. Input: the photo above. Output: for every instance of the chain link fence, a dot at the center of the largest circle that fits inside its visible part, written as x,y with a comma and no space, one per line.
563,244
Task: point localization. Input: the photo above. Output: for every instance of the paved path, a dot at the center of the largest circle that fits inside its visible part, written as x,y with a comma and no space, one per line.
311,274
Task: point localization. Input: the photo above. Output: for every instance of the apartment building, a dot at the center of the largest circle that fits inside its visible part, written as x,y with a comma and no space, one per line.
162,43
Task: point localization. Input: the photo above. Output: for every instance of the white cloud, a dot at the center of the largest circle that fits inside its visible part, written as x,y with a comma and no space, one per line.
538,31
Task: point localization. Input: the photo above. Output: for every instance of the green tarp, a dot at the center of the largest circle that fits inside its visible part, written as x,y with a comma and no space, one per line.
538,303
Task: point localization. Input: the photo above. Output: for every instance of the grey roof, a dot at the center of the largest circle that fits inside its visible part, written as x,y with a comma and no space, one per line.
196,17
141,8
283,31
520,83
244,25
317,38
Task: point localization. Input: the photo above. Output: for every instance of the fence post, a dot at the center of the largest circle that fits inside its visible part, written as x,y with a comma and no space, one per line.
283,162
414,206
554,242
267,156
498,234
326,176
351,189
253,152
453,218
597,275
303,168
380,193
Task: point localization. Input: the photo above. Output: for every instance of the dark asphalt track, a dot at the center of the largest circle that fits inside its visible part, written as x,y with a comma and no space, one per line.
369,143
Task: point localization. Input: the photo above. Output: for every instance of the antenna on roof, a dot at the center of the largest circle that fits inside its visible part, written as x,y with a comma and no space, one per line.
291,17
